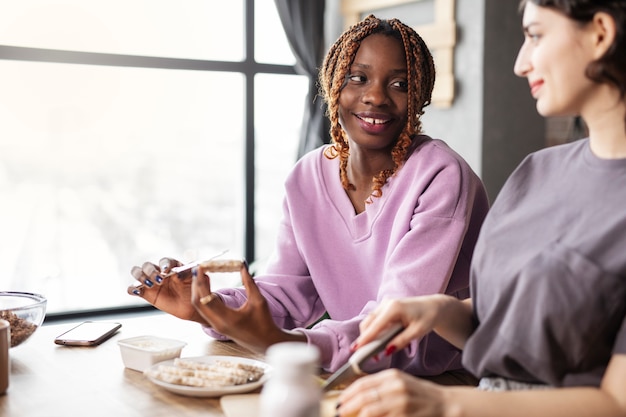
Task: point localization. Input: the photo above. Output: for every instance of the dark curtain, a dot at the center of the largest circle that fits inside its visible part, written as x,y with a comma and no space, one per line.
303,22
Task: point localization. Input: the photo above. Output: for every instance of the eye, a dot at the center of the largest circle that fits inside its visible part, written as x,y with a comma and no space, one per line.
401,84
533,37
357,78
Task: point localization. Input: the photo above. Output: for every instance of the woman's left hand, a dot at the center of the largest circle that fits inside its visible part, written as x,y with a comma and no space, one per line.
392,393
251,325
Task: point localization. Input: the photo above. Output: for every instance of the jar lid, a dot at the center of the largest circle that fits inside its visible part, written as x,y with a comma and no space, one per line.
293,355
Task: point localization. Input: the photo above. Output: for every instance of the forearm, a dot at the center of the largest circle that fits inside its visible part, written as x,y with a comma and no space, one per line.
454,322
565,402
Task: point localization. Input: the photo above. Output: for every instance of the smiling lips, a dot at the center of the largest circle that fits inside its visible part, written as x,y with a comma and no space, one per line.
535,86
372,124
374,121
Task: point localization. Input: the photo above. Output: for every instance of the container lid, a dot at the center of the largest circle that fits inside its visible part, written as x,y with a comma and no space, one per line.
294,356
151,343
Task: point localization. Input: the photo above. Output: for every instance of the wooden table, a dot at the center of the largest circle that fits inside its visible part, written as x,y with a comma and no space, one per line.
49,380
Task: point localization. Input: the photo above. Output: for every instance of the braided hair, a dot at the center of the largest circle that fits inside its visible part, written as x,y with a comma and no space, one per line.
420,80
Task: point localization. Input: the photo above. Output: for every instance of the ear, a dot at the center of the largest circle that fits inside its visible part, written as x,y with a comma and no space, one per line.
603,28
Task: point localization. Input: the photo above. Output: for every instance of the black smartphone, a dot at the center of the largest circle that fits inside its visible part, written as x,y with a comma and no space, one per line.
88,333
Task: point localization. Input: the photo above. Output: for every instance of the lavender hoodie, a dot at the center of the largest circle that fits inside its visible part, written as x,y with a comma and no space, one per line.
417,238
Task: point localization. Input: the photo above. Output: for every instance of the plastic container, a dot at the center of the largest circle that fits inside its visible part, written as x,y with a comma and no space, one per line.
293,390
141,352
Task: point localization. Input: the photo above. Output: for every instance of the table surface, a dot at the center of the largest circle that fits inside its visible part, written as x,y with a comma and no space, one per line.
49,380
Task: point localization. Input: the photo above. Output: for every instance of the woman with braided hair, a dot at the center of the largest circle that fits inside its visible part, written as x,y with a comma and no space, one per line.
384,211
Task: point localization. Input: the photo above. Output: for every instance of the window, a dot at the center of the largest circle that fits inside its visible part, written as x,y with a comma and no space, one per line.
136,129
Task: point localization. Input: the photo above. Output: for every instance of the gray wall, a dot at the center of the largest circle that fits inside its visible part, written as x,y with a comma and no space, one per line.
512,128
492,123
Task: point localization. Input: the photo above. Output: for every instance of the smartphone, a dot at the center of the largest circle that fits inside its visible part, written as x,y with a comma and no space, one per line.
88,333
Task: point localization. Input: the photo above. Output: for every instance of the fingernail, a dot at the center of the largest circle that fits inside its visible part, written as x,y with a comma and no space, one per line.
148,283
376,358
337,406
390,350
194,272
137,292
245,263
354,346
159,279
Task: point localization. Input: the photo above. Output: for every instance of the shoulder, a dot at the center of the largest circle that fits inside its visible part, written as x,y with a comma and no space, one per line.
434,157
550,160
435,172
312,167
557,152
436,152
312,160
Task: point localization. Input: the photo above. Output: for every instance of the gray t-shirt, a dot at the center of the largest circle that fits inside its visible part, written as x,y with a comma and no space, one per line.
549,271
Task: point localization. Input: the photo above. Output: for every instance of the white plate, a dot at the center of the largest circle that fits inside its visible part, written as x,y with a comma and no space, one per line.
211,391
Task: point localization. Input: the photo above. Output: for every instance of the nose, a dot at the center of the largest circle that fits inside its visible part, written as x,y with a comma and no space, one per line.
522,62
375,94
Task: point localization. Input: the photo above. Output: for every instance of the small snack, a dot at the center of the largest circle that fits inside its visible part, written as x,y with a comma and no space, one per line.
216,374
223,265
212,265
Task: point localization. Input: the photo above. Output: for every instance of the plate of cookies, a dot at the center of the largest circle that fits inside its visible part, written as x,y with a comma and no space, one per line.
209,376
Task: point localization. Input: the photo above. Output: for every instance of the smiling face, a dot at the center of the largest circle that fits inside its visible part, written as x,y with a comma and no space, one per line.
373,104
554,56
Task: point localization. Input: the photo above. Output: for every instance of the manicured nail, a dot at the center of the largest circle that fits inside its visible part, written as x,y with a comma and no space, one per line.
354,346
390,350
137,292
148,283
376,357
194,272
159,279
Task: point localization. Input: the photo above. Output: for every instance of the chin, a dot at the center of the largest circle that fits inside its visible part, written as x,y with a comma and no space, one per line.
551,109
547,111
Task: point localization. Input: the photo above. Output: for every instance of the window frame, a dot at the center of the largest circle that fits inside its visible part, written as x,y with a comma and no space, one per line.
248,67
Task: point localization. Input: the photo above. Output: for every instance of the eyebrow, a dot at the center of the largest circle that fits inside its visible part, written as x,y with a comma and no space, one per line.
366,66
528,26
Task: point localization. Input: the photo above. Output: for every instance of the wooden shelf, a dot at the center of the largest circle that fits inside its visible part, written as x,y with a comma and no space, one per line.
440,36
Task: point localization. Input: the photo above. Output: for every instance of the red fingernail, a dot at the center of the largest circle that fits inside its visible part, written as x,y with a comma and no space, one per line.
390,350
354,346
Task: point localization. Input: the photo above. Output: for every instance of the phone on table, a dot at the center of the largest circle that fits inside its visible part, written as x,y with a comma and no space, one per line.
88,333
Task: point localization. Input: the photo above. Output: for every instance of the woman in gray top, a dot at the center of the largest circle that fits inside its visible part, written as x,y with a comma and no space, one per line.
547,317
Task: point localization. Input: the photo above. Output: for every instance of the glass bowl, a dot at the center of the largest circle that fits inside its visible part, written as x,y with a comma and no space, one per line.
24,311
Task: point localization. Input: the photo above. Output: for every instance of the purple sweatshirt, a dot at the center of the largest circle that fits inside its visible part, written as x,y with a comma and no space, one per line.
417,238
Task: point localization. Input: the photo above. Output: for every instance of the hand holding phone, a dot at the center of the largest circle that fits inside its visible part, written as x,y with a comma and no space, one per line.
88,333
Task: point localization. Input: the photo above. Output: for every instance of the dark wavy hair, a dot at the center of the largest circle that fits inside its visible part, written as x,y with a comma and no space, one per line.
610,68
420,79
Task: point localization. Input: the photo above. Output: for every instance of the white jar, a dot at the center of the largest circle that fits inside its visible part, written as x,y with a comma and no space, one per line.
292,389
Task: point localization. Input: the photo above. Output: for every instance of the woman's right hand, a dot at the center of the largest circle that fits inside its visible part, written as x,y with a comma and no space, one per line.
169,294
419,316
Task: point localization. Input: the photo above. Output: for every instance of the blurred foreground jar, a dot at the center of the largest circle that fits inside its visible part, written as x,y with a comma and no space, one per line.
5,343
293,389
